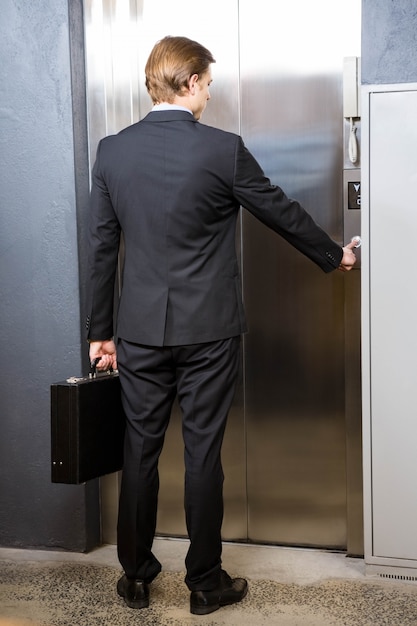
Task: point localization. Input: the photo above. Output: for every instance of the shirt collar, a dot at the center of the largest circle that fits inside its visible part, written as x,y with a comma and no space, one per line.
166,106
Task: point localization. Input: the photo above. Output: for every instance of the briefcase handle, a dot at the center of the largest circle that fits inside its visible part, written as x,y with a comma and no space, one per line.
93,368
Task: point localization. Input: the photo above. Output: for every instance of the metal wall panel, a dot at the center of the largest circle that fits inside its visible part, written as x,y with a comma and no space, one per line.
393,340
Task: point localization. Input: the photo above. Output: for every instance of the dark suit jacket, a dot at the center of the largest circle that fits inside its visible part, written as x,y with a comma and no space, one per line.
174,187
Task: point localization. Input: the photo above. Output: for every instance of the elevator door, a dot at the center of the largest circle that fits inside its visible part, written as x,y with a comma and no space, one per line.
277,81
292,120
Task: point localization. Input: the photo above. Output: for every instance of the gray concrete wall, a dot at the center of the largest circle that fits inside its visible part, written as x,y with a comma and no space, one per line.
389,41
41,222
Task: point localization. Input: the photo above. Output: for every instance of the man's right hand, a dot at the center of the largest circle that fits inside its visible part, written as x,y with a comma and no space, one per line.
107,351
349,257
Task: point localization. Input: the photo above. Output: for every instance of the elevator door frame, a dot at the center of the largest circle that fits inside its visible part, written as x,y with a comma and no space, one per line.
122,35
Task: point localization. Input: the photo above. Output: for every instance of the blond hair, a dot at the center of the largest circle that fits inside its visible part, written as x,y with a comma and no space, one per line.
171,64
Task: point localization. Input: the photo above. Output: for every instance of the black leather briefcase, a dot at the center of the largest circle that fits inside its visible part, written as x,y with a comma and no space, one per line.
87,428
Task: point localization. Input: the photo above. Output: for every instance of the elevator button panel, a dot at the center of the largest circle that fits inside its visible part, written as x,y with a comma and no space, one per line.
351,208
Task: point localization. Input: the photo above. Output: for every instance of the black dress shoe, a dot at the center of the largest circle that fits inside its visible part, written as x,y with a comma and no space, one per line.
229,591
134,592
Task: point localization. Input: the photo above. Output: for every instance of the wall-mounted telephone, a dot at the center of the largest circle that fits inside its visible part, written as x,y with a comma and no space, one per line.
351,99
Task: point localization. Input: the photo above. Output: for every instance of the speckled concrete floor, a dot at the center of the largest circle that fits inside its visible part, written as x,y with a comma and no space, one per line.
288,587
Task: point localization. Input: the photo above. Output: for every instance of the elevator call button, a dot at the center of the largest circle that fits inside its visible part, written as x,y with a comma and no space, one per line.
354,195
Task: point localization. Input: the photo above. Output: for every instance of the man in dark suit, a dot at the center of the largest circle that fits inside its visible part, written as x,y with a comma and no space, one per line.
174,188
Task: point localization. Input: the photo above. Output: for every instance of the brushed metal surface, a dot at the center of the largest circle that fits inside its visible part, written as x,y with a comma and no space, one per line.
277,81
353,409
294,353
119,37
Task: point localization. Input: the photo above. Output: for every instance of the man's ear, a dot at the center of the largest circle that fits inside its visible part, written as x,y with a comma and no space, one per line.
191,83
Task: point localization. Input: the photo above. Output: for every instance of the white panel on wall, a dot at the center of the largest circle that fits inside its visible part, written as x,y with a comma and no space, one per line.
393,322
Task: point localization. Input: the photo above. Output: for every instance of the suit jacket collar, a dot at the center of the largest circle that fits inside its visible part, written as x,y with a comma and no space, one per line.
170,115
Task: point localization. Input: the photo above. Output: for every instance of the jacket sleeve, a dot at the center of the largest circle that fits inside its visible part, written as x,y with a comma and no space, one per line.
287,217
103,242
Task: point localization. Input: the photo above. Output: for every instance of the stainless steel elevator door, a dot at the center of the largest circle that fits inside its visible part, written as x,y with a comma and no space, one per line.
277,81
292,120
119,37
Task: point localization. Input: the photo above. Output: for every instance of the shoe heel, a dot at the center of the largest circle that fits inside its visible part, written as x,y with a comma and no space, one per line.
138,604
204,610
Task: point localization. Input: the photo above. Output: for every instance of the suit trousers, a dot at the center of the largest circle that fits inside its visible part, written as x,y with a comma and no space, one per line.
204,378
